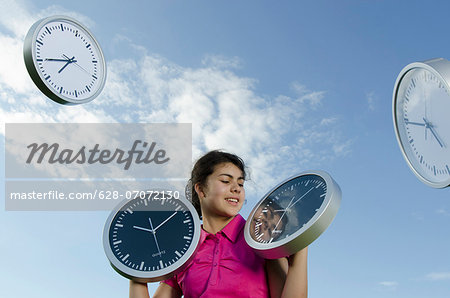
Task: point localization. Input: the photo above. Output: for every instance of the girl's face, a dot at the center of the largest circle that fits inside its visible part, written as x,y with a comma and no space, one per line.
223,194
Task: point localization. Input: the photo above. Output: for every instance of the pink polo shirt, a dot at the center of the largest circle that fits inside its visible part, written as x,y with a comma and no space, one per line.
224,266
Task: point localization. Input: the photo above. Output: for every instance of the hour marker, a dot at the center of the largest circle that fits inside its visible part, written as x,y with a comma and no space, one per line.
47,77
88,89
178,208
119,225
125,257
129,211
76,95
48,30
186,221
319,185
258,224
94,61
142,266
88,45
39,60
161,264
187,237
260,236
178,254
40,42
322,195
60,89
117,242
271,239
62,27
94,77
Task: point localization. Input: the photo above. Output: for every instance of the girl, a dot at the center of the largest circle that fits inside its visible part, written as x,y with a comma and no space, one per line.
224,265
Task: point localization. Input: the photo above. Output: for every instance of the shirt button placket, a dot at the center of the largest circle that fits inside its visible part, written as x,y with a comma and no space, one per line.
215,262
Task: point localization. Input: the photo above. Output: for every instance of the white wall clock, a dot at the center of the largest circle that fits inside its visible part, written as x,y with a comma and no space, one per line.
150,239
64,60
293,214
421,104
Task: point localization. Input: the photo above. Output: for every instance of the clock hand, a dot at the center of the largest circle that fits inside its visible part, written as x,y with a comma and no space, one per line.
303,196
173,214
75,62
58,60
71,60
154,236
433,131
289,206
415,123
282,215
143,229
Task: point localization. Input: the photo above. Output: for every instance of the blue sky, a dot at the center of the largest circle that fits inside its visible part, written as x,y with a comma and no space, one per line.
289,87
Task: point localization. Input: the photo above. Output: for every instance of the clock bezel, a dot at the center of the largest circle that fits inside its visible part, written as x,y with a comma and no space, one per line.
29,54
439,67
156,275
305,235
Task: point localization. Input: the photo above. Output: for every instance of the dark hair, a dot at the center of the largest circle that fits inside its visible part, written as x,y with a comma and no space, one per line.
204,167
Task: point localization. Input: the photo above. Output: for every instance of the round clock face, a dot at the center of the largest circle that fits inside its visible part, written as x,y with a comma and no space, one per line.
293,214
149,239
64,60
421,105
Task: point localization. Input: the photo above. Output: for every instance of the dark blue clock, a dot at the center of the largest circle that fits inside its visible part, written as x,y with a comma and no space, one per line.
151,238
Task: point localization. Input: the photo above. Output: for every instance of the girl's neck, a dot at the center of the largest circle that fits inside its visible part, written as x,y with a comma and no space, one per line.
214,224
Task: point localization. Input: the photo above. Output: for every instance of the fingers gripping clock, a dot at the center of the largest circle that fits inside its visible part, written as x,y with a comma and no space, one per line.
64,60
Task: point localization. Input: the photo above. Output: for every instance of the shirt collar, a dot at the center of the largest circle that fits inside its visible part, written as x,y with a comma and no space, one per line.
231,230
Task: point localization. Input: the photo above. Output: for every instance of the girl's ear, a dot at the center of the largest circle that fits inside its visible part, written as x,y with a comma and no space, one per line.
199,190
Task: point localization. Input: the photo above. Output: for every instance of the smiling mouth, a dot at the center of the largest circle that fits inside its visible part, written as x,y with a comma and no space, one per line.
232,200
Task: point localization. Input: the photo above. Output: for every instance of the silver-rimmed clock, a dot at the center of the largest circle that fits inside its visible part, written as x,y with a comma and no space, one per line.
293,214
153,237
64,60
421,106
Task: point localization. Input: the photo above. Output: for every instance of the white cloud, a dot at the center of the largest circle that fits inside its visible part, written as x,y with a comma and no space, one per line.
443,211
438,276
222,62
276,136
371,100
389,284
